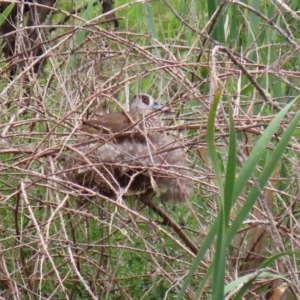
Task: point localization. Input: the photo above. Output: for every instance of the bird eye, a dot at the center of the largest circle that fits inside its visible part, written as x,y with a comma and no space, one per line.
145,99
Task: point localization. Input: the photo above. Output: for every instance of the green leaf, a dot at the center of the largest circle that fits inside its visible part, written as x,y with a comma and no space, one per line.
6,13
268,168
248,279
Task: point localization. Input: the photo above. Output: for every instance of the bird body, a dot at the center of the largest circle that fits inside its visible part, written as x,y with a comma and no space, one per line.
107,124
139,117
123,156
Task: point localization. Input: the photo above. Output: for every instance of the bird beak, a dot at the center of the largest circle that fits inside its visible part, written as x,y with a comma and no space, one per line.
156,105
163,108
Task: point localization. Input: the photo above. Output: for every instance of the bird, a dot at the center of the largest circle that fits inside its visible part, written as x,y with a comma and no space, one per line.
120,153
141,107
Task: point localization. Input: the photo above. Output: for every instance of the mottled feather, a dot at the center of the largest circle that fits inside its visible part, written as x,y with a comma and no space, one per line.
122,154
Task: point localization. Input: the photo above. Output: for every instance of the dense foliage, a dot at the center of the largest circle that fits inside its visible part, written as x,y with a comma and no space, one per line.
229,70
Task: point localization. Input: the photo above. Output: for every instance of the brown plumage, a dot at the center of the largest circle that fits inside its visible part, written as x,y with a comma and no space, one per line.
118,154
140,117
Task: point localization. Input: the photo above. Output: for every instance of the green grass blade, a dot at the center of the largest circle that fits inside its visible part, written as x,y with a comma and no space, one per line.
221,249
207,242
258,150
265,174
273,258
210,138
215,162
245,281
230,172
81,35
150,19
6,13
219,262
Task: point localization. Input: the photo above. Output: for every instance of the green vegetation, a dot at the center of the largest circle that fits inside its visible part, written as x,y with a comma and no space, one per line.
230,72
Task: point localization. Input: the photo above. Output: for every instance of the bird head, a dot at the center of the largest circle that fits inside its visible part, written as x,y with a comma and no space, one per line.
144,104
